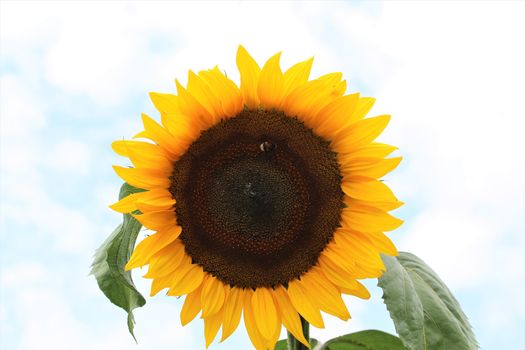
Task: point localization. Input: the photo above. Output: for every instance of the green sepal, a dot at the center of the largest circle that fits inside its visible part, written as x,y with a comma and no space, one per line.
109,261
425,313
283,344
365,340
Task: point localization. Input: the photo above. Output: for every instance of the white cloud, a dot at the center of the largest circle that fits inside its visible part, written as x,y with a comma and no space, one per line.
23,154
459,123
458,247
114,57
20,109
95,61
22,274
69,156
45,318
457,101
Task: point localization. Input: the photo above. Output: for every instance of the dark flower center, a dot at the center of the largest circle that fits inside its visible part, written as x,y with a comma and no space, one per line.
258,198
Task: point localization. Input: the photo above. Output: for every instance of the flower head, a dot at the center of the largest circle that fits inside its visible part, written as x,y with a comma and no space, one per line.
264,199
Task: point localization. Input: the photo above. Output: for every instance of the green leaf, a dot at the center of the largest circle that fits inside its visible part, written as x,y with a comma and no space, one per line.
365,340
110,259
425,313
283,344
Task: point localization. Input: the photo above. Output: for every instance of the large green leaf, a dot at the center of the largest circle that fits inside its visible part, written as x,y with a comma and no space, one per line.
365,340
425,313
283,344
110,259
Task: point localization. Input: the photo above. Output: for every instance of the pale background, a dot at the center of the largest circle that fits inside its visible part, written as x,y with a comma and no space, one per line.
75,76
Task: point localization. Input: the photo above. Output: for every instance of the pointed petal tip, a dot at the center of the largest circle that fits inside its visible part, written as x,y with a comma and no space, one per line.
115,207
276,57
140,135
179,86
128,266
242,52
119,170
144,117
115,146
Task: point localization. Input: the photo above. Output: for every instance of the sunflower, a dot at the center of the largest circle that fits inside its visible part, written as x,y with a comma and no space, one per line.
264,199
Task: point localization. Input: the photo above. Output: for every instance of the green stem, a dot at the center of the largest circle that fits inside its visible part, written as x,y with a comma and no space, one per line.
294,344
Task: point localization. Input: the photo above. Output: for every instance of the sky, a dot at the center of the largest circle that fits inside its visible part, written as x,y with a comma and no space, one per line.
74,76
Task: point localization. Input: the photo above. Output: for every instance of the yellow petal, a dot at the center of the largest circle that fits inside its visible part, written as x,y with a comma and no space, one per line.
191,107
340,258
250,71
339,89
308,99
336,115
364,105
168,107
213,296
157,220
228,93
182,128
360,291
303,303
372,190
142,178
166,260
270,343
232,311
143,154
296,75
271,83
371,150
159,284
336,274
360,250
325,294
369,220
191,307
265,312
372,168
385,206
186,281
249,321
158,198
290,317
212,323
382,242
368,271
126,204
146,208
160,136
359,134
165,103
378,239
202,92
151,245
